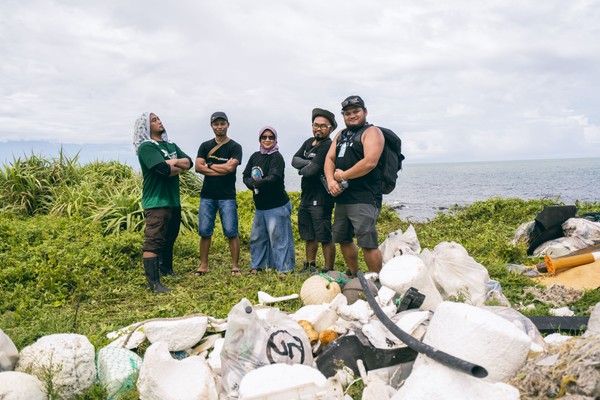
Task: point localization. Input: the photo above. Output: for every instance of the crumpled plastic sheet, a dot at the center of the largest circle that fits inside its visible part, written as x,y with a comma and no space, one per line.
562,246
582,228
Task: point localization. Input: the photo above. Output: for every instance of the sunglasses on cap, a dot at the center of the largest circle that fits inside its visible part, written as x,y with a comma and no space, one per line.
353,101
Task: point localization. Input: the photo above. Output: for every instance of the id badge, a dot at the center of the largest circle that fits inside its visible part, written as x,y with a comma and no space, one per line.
342,150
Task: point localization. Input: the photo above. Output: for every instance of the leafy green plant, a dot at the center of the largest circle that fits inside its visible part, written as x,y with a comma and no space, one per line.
123,212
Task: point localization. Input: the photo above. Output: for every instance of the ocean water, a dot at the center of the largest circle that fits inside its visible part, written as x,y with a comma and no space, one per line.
422,190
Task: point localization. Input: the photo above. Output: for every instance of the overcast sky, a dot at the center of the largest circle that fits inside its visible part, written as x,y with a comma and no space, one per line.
458,81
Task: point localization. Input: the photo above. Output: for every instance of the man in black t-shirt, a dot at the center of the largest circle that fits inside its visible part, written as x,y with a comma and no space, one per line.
316,204
218,160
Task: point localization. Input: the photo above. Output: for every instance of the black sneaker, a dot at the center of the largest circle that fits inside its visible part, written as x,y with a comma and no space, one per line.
309,268
350,274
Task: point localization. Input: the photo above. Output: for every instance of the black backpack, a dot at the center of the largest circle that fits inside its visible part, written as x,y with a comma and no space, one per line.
391,158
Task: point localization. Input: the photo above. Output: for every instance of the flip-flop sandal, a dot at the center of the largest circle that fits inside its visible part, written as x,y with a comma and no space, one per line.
253,271
236,272
282,276
201,273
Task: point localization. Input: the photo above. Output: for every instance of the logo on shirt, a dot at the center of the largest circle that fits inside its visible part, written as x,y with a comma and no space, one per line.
213,157
169,156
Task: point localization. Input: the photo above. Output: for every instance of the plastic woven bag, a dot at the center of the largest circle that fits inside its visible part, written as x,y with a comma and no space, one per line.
254,340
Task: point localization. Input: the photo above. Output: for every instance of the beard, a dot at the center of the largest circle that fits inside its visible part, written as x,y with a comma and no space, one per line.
320,138
355,125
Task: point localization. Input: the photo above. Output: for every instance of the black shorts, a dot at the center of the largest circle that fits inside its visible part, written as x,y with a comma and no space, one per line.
162,228
314,223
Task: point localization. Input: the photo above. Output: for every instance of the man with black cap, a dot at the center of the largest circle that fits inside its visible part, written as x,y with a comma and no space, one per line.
218,160
355,183
316,204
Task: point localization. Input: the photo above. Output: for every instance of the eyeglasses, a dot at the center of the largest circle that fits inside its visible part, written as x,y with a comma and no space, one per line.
321,127
267,137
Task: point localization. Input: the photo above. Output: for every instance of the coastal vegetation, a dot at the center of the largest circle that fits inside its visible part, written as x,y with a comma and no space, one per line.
70,251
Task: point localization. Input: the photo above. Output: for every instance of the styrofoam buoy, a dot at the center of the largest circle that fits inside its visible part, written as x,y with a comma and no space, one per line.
318,290
478,336
406,271
282,381
432,380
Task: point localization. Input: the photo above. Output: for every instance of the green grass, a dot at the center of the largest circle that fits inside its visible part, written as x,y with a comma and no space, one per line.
70,251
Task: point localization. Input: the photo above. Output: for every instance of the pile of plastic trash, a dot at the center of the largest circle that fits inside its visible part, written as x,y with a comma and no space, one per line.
557,234
419,329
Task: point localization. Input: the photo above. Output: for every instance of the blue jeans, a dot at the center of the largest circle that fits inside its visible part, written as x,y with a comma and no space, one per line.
207,213
272,240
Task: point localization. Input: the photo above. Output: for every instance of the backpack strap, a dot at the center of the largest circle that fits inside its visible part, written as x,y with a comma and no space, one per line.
217,147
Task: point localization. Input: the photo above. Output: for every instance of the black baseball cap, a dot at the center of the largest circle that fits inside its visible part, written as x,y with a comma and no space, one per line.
319,112
218,115
353,100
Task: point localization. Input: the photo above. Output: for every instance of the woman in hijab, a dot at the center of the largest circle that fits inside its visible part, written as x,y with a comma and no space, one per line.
271,239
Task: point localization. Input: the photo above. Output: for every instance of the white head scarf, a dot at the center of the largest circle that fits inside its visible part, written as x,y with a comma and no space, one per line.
141,131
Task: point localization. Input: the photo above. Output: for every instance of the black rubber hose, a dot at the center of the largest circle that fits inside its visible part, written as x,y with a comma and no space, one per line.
443,358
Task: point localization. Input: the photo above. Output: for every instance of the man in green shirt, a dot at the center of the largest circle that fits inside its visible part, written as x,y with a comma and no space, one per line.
161,161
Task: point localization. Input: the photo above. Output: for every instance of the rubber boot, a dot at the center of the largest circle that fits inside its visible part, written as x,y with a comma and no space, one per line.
152,275
165,264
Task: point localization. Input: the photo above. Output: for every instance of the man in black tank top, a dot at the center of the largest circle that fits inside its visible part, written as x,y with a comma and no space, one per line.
355,183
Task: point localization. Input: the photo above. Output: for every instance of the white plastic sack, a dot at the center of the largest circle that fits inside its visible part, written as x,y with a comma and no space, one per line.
398,243
582,228
164,378
456,274
523,233
408,321
562,246
9,354
21,386
117,370
254,340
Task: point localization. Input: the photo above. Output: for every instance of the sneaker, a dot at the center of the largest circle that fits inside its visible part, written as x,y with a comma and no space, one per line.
309,268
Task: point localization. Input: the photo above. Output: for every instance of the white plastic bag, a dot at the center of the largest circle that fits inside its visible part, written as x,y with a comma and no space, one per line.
398,243
254,340
456,274
523,233
582,228
562,246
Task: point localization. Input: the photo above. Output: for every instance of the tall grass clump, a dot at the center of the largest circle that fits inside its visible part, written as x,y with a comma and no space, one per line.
107,192
27,185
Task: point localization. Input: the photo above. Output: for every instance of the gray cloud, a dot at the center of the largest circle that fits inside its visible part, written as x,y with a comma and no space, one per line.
461,81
